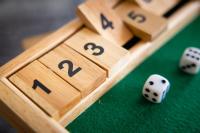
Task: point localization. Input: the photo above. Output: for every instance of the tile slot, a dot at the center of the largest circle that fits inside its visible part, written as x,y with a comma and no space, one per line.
175,8
131,42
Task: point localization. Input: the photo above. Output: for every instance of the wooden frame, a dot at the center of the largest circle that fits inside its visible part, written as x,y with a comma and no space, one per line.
26,116
30,41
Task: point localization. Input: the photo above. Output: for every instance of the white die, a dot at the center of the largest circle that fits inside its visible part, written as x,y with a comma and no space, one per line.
190,60
155,88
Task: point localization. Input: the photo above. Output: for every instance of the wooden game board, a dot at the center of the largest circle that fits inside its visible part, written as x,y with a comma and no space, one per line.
40,93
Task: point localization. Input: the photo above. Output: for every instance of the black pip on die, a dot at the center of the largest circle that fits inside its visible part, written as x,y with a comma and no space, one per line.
190,61
155,88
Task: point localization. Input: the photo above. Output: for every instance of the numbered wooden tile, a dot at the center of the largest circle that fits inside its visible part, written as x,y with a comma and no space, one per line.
143,24
97,15
98,49
47,90
158,7
75,69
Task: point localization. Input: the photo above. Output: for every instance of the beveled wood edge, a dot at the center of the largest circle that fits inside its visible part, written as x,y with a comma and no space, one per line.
138,54
24,111
23,59
30,41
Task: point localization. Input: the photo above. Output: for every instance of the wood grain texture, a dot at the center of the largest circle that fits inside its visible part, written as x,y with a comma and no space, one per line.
30,41
91,13
62,96
14,120
86,80
26,112
143,24
111,59
157,7
35,118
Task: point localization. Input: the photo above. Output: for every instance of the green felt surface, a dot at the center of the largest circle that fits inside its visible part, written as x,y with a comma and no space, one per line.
123,109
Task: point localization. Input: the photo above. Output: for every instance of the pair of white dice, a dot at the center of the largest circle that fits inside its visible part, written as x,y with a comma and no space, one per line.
156,86
190,61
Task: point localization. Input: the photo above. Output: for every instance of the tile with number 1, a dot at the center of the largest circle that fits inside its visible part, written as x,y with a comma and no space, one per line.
46,89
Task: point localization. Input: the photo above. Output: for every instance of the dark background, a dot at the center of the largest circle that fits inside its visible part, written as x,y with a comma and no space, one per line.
24,18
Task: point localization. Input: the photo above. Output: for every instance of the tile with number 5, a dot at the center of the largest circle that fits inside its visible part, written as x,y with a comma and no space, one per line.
143,23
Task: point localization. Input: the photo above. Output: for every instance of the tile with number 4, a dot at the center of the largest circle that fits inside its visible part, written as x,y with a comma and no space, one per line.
98,49
144,24
47,90
97,15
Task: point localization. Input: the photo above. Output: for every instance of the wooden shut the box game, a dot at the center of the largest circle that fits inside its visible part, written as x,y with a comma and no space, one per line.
50,84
